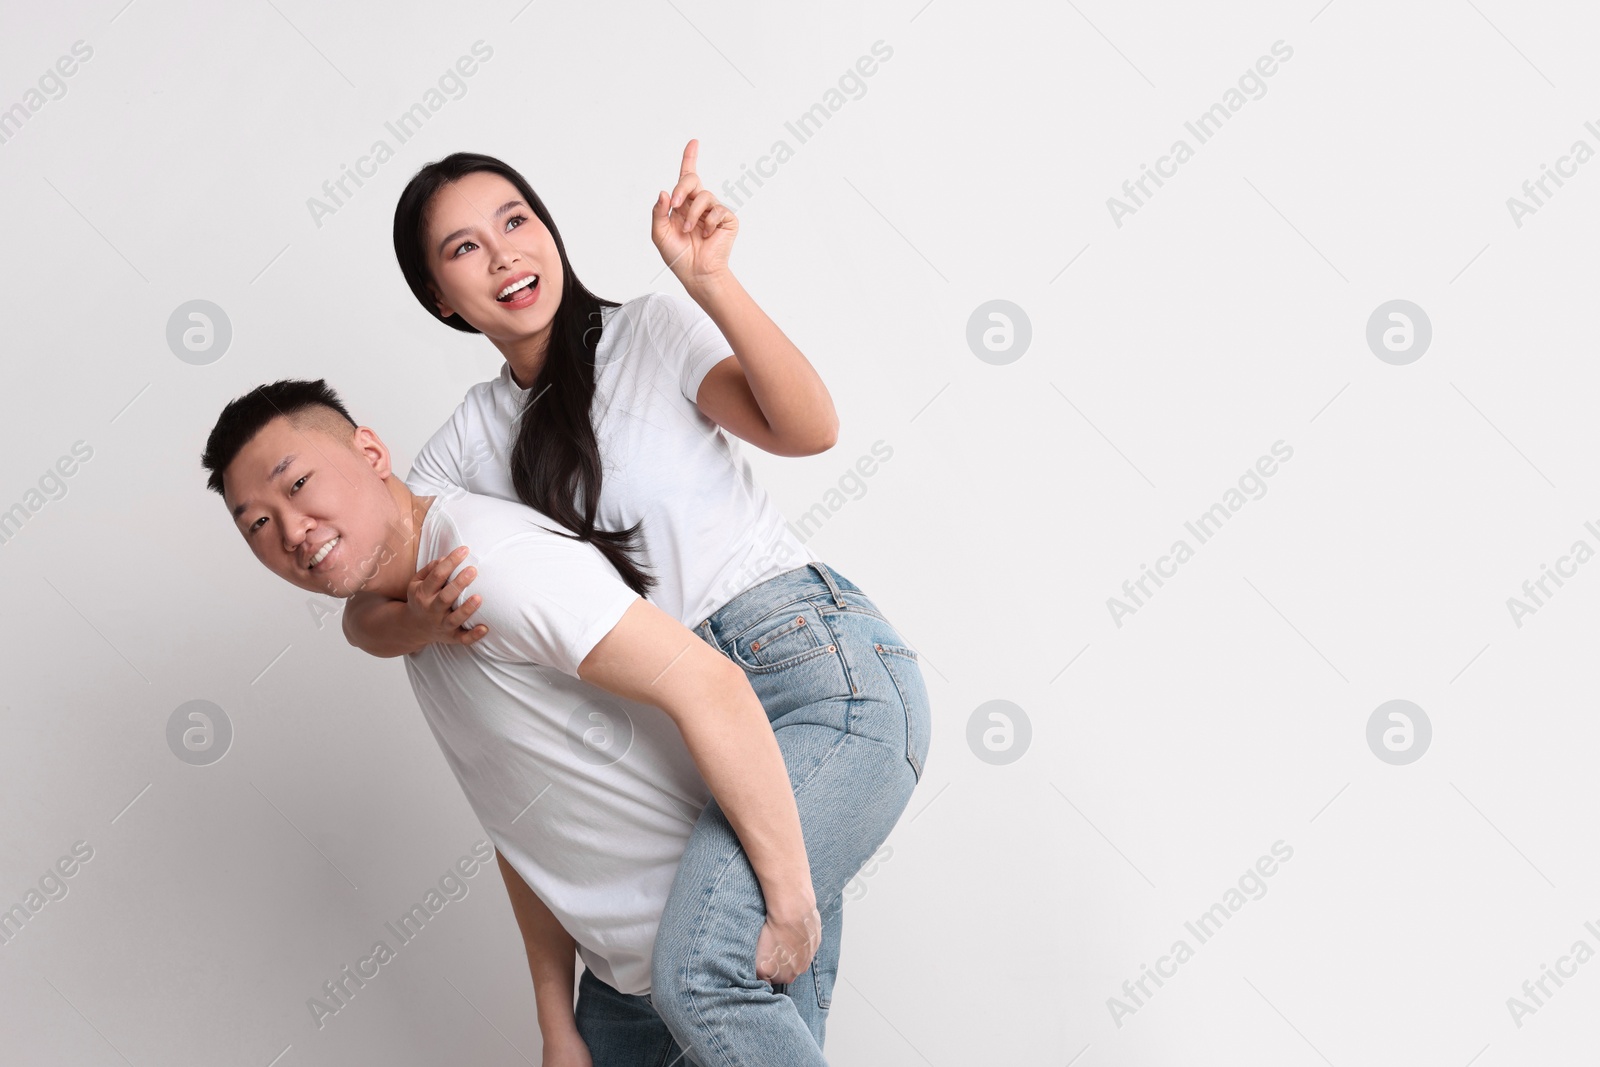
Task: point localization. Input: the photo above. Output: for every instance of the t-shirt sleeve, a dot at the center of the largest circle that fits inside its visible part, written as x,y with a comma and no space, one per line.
438,465
693,341
547,599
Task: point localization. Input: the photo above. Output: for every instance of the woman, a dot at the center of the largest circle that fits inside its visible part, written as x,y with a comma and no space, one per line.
613,419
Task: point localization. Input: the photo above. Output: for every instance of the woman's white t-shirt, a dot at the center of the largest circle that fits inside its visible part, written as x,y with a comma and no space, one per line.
709,531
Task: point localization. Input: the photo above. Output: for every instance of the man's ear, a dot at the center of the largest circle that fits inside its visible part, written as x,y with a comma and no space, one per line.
370,447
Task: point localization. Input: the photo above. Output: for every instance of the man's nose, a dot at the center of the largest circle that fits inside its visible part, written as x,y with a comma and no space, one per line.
295,529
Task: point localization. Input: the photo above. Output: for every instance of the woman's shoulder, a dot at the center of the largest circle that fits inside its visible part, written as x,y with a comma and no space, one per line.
485,402
631,327
644,302
651,320
658,307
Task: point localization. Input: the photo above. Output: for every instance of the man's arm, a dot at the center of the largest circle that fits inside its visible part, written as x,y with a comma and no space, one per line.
652,658
552,957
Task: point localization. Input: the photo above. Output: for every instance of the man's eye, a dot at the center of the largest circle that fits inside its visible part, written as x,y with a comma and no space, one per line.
301,481
257,523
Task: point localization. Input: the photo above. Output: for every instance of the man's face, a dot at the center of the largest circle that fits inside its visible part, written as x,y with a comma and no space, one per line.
314,506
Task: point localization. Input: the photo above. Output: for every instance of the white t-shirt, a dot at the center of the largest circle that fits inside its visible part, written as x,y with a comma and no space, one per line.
590,798
710,532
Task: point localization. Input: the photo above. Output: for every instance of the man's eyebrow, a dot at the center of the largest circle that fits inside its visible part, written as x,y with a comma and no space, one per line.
501,210
283,465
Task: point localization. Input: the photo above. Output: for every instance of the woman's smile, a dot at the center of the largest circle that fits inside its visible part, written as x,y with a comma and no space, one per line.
521,291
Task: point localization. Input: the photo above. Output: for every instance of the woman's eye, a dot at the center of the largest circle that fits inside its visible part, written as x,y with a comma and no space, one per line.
460,247
515,221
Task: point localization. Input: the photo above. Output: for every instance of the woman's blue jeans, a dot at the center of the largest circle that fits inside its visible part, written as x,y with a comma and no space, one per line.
850,710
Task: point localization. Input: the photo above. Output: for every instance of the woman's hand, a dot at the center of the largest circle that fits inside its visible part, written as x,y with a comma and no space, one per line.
787,944
692,231
430,618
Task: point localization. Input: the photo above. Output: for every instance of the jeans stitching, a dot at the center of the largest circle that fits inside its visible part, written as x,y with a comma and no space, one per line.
824,1001
689,994
790,626
822,601
732,652
856,609
781,609
905,705
855,699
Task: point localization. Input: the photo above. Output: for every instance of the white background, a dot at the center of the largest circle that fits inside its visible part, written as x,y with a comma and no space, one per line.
1167,754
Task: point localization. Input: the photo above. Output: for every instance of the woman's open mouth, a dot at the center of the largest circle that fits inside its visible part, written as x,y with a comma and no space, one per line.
520,293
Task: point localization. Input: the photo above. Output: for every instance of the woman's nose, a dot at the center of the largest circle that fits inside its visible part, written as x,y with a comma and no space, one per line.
502,250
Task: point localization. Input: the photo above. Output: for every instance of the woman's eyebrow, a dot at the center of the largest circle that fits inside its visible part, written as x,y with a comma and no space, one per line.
501,210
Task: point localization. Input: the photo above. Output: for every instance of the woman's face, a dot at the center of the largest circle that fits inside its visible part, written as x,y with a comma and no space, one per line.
481,239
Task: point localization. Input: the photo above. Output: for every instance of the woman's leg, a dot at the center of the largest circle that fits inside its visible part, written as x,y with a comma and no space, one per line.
850,712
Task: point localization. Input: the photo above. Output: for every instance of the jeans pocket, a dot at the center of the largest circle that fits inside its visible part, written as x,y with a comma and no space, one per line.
778,639
785,638
901,663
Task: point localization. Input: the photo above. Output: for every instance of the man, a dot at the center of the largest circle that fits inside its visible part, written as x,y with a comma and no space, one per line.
588,800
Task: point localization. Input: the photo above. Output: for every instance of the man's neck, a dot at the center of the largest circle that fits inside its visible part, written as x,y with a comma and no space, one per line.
401,561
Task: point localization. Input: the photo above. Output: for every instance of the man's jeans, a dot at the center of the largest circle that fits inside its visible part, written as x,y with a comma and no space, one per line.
623,1030
847,702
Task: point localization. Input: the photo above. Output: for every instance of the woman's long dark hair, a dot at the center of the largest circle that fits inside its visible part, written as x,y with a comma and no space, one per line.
555,460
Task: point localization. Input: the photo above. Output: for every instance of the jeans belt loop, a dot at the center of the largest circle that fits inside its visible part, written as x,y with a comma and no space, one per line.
822,569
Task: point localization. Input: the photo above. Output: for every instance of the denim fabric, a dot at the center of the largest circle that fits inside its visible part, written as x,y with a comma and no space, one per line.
622,1030
850,710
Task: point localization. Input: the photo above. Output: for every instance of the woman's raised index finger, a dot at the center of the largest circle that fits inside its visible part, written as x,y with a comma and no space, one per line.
690,152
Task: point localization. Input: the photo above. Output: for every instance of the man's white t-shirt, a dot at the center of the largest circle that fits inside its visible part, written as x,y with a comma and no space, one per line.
589,797
710,531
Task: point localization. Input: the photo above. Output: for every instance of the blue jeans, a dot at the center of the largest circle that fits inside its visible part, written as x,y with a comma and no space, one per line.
622,1029
847,701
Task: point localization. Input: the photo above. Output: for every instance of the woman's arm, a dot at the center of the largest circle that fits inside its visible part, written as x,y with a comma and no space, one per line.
386,628
768,394
652,658
552,956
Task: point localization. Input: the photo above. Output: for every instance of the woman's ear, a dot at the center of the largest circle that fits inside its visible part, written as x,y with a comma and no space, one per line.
445,310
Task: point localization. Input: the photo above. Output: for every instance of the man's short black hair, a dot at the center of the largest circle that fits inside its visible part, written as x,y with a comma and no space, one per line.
306,403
